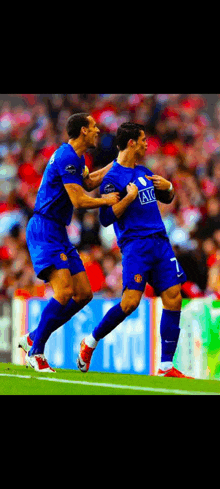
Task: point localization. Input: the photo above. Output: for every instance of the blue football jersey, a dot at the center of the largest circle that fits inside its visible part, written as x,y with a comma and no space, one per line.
142,217
52,199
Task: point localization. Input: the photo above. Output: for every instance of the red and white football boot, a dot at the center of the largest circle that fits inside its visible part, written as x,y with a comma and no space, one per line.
39,363
172,372
84,357
25,342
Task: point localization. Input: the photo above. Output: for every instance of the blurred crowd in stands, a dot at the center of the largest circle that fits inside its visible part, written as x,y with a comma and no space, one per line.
183,146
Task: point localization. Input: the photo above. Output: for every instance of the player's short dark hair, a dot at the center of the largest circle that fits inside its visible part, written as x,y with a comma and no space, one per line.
74,124
126,131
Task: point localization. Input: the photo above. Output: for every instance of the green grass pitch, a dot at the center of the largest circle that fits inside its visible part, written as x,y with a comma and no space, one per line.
19,380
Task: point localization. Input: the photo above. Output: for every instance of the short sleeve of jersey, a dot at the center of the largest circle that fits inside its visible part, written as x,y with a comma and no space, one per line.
70,169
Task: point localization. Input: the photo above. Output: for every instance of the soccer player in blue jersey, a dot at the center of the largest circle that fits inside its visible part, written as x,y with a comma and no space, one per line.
147,255
55,259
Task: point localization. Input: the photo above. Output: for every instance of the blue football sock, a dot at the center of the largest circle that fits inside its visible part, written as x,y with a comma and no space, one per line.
53,316
169,331
114,316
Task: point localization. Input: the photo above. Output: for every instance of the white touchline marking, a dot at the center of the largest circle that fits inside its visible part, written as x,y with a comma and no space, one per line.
117,386
16,375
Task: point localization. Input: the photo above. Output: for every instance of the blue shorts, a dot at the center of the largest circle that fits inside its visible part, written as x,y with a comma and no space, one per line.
151,259
50,247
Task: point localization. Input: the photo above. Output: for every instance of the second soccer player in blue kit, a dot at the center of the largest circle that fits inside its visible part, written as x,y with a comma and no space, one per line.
147,256
55,259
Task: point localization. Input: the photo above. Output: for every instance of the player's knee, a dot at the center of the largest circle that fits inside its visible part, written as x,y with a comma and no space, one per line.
65,294
129,305
172,300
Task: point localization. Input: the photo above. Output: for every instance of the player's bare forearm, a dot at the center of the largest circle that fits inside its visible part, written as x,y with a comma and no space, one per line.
86,202
121,206
81,200
95,178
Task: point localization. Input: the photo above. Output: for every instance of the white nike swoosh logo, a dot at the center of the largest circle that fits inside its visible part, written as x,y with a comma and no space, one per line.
179,274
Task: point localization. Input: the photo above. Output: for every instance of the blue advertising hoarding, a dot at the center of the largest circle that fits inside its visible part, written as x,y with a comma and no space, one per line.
125,350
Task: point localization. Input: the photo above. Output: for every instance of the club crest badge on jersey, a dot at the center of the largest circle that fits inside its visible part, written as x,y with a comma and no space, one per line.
63,257
138,278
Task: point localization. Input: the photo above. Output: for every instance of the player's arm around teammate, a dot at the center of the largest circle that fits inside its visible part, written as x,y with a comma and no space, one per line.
81,200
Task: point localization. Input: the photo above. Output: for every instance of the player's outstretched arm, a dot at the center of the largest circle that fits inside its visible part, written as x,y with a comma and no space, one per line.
94,179
82,201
